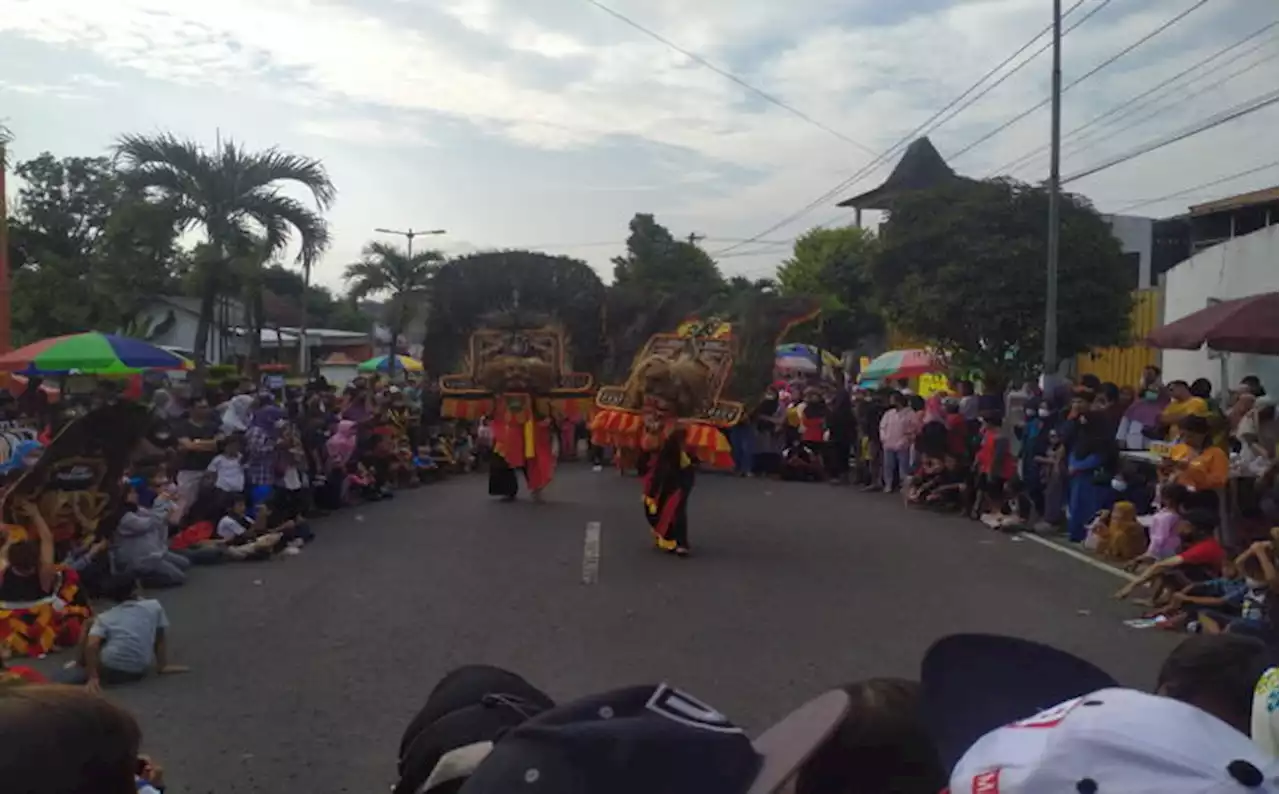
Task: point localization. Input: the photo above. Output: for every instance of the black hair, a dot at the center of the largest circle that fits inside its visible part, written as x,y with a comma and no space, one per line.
121,587
1196,424
1217,673
1202,388
1091,382
1110,391
1174,494
1181,383
881,745
1203,522
24,554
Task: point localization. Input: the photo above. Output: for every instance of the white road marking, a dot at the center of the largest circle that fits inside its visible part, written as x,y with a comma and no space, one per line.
591,553
1079,555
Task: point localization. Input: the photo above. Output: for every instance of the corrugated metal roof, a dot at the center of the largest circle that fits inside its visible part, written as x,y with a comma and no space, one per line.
1250,199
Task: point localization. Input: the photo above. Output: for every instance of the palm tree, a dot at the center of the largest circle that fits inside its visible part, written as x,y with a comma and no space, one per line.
405,278
233,195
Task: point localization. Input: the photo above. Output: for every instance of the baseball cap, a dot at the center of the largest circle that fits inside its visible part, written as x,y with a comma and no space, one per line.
455,729
1116,740
971,684
654,738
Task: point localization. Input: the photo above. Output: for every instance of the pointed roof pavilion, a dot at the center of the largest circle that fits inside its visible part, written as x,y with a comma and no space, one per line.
920,168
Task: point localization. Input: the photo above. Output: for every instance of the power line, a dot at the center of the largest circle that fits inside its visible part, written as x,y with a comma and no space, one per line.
729,76
1268,167
1162,28
1077,146
1243,109
929,123
1127,106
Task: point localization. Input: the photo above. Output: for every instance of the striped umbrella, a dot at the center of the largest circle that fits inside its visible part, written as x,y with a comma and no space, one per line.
901,364
383,364
91,353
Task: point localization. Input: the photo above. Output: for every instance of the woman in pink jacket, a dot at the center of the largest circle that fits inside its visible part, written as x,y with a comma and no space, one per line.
898,429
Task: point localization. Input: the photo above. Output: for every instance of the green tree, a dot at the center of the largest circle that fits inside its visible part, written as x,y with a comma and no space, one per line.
87,251
963,266
232,195
657,262
833,266
407,282
528,282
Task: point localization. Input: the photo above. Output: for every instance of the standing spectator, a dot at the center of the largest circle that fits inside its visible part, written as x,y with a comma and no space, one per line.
261,442
843,432
197,445
968,402
898,428
1090,464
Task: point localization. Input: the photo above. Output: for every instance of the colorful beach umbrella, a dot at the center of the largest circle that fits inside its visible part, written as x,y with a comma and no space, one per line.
383,364
901,364
91,353
796,350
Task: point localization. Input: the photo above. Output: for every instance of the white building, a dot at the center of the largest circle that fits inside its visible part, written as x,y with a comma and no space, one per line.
1235,268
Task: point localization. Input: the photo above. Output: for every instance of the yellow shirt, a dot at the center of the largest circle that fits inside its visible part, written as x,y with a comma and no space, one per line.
1176,411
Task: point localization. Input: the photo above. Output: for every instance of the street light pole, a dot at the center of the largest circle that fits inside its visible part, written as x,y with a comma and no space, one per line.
408,235
1055,146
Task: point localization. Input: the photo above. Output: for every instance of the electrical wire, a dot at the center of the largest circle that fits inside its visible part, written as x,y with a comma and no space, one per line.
1162,28
929,124
1243,109
800,114
1127,106
1268,167
1080,145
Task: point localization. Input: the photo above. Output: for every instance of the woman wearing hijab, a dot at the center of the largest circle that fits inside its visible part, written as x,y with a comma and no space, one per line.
1089,468
340,450
261,451
237,414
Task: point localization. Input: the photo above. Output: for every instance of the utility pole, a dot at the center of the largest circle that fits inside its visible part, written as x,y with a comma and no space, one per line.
5,339
1055,147
408,235
694,238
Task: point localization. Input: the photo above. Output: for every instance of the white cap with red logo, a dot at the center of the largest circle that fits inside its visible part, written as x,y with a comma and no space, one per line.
1116,741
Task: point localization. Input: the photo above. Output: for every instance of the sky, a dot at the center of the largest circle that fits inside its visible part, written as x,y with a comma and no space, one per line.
549,123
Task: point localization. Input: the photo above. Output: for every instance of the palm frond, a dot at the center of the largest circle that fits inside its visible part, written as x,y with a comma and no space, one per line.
274,165
280,215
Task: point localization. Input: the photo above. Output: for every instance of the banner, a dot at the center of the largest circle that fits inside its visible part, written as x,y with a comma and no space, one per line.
77,481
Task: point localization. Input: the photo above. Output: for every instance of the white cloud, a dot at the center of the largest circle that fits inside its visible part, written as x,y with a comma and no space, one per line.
560,75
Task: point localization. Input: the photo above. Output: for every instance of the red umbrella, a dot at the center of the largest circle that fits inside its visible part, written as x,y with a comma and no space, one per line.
1243,325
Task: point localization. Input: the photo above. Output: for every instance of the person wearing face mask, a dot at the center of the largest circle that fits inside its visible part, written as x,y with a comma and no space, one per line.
1141,420
1035,444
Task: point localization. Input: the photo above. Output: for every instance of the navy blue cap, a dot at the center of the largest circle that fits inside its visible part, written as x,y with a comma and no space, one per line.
649,739
971,684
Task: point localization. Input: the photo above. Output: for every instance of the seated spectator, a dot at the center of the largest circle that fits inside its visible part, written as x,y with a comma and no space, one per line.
1256,613
64,739
1162,533
1217,675
42,606
246,538
140,543
881,746
1199,560
929,472
1115,534
124,643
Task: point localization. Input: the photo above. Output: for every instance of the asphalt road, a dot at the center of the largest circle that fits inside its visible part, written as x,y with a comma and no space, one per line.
306,669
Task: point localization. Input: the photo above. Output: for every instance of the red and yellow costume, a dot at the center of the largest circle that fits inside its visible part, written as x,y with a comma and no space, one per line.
667,415
517,378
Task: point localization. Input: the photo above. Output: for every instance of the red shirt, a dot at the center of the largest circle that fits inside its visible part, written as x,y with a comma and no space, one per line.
957,435
23,673
1205,552
994,457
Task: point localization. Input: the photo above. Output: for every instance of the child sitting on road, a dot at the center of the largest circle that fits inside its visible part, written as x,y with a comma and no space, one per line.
124,643
1199,560
1163,539
948,489
246,538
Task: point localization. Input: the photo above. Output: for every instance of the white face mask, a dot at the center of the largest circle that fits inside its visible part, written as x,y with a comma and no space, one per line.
1045,413
1118,484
